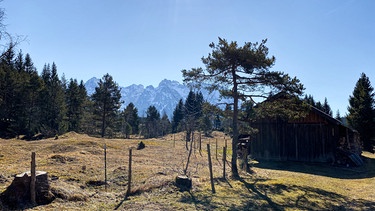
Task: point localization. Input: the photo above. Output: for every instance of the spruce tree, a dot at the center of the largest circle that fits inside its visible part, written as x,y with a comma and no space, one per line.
361,111
165,125
192,113
326,107
53,97
178,117
130,116
75,106
152,122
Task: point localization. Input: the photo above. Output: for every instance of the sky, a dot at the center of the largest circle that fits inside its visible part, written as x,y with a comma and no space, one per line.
326,44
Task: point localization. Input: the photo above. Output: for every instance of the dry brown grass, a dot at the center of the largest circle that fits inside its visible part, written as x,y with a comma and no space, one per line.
75,164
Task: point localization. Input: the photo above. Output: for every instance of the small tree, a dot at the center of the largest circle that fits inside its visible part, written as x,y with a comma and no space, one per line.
165,125
240,73
361,111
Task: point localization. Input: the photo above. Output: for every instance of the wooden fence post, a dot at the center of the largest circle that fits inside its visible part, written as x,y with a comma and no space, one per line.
210,167
224,160
216,147
200,141
105,167
33,179
129,173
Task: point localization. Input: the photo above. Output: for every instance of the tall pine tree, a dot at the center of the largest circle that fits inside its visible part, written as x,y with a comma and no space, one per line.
361,111
53,98
75,101
107,102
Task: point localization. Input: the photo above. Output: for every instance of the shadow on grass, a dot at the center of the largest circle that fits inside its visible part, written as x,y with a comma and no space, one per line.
258,194
200,201
282,197
323,169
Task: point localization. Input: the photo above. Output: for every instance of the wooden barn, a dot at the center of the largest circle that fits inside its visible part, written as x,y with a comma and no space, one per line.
315,138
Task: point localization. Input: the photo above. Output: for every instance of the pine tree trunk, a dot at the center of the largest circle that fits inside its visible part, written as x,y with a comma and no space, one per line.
235,128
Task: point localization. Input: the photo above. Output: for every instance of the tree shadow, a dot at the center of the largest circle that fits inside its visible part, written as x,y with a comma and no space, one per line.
200,201
283,197
323,169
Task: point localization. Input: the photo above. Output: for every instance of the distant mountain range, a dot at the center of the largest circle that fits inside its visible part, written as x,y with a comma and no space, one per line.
164,97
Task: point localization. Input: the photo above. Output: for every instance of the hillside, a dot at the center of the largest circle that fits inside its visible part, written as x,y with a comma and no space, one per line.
75,164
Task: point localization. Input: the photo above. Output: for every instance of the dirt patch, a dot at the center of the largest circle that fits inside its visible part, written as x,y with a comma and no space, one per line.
94,183
59,148
62,159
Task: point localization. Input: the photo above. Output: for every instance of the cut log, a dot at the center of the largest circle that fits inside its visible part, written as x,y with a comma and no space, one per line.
183,182
17,195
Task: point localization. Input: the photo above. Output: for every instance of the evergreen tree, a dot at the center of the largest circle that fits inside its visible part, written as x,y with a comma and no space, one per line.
178,117
28,106
326,108
53,98
9,91
241,72
33,87
209,112
192,113
88,123
107,102
165,125
338,116
310,100
130,119
319,105
75,101
361,111
152,122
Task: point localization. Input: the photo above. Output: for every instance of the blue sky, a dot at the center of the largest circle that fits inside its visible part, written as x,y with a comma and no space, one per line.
327,44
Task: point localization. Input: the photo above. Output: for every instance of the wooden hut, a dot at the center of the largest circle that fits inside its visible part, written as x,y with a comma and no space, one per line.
315,138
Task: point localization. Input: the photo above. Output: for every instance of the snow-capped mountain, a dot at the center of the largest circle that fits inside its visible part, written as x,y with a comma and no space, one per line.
164,97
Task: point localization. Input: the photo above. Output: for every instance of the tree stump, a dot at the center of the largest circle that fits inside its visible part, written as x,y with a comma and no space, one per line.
183,182
141,145
17,195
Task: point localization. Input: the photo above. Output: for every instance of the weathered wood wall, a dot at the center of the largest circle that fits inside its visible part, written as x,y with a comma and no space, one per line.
298,141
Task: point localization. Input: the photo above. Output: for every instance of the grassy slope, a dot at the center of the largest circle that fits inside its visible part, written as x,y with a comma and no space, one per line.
75,163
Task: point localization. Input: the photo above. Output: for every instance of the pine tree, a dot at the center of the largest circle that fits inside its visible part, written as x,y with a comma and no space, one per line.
192,113
178,117
241,72
326,108
130,117
107,102
338,116
53,97
152,122
361,111
75,101
165,125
